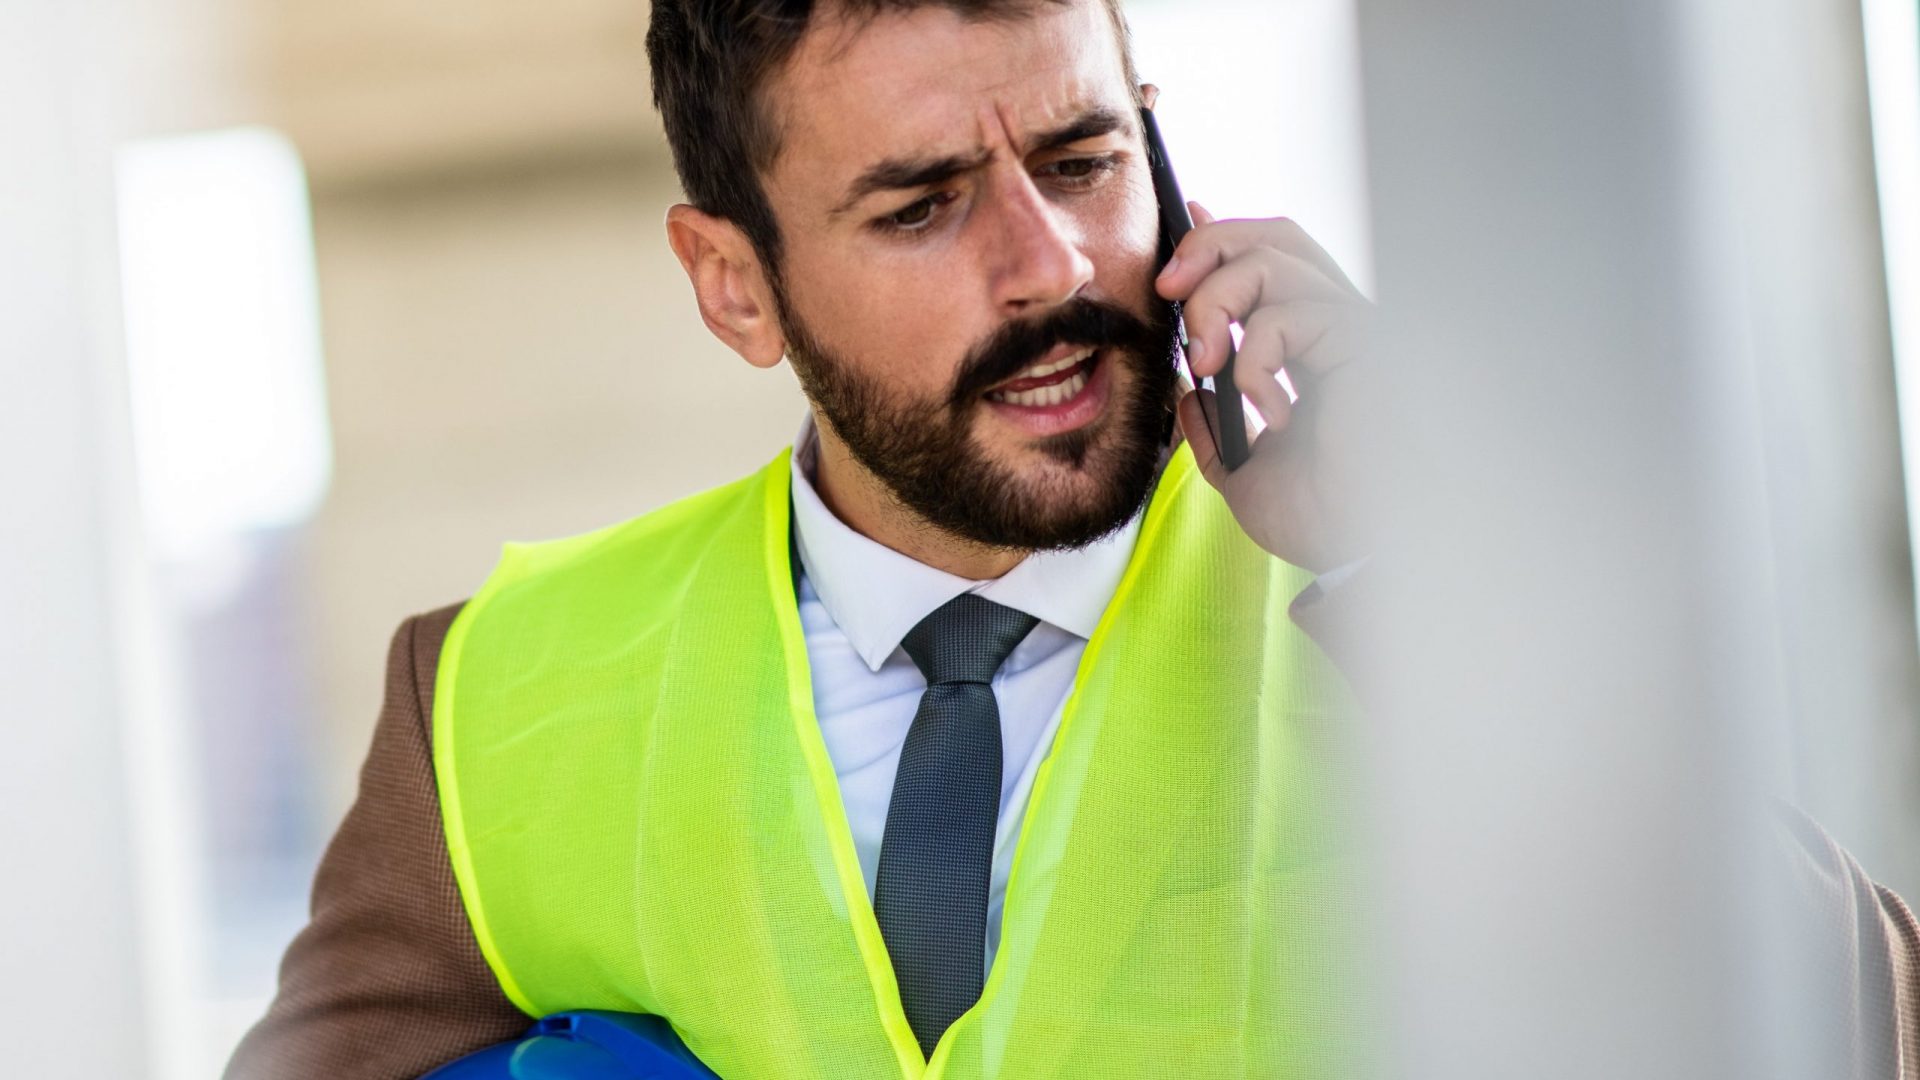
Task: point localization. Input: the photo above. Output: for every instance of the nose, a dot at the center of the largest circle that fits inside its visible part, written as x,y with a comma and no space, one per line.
1037,262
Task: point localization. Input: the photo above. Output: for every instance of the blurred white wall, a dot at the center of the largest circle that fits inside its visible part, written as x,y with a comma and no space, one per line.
68,917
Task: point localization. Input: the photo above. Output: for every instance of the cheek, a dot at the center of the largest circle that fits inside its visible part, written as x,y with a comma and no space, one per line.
1123,240
911,329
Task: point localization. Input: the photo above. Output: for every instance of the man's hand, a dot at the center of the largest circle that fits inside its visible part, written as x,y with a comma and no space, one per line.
1295,494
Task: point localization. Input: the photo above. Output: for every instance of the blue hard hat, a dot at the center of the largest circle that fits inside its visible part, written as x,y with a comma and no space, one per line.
584,1045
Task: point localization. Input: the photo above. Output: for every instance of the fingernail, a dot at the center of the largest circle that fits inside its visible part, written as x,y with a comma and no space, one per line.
1172,265
1195,349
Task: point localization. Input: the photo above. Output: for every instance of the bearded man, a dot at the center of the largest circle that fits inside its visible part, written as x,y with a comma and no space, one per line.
969,737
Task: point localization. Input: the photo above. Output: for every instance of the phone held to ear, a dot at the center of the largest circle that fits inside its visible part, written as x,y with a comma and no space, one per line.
1175,223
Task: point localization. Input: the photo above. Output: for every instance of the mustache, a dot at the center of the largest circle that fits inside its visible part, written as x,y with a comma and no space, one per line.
1080,321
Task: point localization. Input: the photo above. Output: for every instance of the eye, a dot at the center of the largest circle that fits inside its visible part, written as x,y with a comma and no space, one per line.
915,216
1081,172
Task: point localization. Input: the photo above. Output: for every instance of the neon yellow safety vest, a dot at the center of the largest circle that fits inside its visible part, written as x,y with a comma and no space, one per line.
642,814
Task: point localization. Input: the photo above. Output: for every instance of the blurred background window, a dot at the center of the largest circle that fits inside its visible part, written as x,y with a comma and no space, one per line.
233,456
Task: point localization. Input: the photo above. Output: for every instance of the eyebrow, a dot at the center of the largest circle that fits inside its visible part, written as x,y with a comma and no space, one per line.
901,173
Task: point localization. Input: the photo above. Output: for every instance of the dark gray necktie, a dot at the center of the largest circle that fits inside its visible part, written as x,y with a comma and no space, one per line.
936,856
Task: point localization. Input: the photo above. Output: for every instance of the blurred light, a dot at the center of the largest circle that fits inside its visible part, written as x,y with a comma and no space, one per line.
1893,90
223,341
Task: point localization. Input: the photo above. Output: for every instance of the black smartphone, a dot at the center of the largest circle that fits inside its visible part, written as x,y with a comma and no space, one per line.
1175,223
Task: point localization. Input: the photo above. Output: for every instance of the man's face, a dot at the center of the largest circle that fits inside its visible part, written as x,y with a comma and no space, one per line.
966,287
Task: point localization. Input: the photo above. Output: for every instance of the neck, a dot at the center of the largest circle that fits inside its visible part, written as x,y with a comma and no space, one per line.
863,502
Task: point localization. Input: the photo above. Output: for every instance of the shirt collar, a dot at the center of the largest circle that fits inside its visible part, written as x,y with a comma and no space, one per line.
875,594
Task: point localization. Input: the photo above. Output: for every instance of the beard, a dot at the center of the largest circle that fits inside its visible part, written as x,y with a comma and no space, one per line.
926,453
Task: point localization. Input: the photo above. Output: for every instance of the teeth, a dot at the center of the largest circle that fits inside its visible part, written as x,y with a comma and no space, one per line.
1045,395
1035,371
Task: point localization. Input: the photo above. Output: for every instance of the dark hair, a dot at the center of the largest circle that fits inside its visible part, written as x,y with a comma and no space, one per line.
710,60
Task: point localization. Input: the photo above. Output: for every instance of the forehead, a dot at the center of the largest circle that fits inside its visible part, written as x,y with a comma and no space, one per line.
930,81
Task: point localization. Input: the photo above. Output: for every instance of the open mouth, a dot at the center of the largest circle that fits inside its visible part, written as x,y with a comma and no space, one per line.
1050,381
1063,391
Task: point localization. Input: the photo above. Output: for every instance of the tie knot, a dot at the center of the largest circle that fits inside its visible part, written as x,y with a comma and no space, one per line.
965,639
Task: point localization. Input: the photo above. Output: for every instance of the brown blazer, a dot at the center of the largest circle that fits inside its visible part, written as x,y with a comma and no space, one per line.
386,982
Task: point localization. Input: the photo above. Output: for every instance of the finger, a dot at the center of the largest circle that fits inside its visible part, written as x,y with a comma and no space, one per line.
1278,412
1236,290
1194,425
1216,243
1294,240
1285,234
1262,387
1303,336
1263,352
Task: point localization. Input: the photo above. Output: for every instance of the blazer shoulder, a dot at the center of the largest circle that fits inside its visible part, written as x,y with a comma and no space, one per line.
413,660
387,978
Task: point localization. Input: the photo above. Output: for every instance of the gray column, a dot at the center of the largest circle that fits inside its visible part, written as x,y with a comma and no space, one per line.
1648,545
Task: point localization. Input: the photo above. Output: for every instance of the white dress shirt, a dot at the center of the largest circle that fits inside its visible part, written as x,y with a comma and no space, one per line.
858,598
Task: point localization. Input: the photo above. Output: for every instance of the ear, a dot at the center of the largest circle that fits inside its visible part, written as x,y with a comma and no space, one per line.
729,284
1149,94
